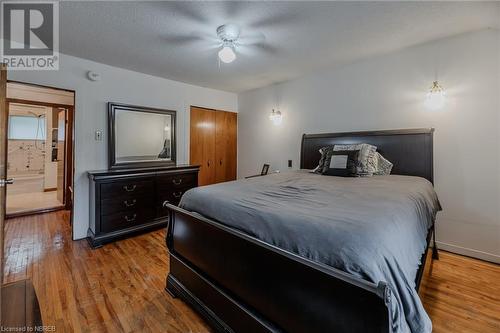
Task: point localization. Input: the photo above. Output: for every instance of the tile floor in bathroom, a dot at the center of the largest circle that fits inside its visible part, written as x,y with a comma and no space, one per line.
26,194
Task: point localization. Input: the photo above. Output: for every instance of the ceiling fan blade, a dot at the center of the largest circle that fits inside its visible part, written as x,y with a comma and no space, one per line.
250,39
276,20
189,10
194,37
232,7
179,40
256,49
267,48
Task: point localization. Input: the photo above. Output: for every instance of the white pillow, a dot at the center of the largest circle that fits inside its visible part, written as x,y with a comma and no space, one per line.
383,166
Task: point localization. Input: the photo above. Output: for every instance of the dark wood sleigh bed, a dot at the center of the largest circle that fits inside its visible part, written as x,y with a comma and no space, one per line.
241,284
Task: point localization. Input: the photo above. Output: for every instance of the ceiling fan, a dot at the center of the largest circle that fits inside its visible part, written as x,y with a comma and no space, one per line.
229,40
228,34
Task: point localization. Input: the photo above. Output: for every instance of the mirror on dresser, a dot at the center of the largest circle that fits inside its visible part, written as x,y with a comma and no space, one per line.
140,136
143,178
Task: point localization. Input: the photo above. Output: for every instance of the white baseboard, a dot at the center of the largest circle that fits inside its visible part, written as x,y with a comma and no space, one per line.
469,252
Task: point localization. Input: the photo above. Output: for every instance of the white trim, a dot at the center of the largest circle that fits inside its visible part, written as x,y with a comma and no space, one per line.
469,252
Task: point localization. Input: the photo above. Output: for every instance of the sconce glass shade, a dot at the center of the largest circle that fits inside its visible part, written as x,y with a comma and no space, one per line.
436,97
226,54
275,117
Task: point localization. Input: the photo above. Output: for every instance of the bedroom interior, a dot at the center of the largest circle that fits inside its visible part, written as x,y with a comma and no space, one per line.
251,166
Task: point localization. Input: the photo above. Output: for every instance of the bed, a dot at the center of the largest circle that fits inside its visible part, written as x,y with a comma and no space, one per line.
267,254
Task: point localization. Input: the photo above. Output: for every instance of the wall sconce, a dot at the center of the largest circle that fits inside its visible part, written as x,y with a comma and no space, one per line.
275,117
436,97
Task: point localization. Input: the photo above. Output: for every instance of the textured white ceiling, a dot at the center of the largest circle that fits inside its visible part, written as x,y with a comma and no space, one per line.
176,40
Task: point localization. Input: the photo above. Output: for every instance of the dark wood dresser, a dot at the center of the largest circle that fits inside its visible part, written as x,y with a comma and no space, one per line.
126,202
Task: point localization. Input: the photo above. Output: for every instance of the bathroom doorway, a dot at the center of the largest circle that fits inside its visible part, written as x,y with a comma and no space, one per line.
39,149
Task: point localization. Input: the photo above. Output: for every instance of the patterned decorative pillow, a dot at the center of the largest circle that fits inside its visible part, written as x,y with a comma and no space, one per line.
343,163
366,166
383,166
323,151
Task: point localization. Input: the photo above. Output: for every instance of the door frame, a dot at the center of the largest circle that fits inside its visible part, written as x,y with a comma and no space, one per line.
3,151
69,172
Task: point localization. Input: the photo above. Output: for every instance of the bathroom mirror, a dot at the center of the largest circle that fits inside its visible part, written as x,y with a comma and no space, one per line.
140,136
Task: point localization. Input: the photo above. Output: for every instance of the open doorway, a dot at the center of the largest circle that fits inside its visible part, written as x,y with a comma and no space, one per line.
39,149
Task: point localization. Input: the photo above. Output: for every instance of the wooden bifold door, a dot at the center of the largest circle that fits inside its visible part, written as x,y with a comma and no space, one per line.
213,144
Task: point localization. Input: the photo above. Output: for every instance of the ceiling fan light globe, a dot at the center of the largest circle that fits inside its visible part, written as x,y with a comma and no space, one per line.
227,55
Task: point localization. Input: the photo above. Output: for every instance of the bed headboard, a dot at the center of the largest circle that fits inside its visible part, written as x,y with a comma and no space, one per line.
410,150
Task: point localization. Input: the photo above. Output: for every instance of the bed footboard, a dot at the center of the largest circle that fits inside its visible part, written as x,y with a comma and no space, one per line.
241,284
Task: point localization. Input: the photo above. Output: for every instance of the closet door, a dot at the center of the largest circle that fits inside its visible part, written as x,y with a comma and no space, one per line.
202,143
226,125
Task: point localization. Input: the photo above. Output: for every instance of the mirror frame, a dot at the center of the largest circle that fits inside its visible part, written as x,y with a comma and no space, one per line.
112,107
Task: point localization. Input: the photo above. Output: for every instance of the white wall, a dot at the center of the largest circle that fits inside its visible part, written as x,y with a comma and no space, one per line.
123,86
387,92
20,162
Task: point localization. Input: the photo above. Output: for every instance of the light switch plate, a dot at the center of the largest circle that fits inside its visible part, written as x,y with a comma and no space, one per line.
98,135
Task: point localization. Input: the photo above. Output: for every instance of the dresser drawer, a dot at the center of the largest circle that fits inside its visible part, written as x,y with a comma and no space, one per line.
180,181
173,197
125,204
126,219
126,188
128,201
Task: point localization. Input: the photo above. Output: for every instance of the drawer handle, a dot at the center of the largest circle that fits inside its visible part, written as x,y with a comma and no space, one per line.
129,204
130,219
129,188
177,194
177,181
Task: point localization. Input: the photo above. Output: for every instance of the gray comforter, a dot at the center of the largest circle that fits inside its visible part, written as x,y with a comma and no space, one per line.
373,227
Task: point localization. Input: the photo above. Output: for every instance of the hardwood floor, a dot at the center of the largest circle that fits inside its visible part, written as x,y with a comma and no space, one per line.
462,294
117,288
120,287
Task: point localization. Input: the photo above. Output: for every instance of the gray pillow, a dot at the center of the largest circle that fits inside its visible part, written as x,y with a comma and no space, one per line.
342,163
366,166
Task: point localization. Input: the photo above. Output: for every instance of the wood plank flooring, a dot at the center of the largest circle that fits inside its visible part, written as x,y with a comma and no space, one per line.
117,288
120,287
462,294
